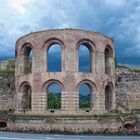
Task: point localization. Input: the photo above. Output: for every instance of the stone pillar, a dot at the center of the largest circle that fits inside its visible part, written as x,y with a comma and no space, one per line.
95,101
36,93
113,99
19,97
69,97
43,61
93,61
20,63
99,64
112,71
62,60
101,97
69,101
36,61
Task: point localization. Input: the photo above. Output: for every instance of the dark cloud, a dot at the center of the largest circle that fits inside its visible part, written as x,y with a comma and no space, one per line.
117,18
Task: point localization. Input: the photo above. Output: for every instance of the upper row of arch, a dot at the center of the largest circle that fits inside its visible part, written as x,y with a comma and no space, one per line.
88,42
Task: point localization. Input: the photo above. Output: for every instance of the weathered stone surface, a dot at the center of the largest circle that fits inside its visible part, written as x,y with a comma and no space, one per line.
68,122
38,78
128,88
7,92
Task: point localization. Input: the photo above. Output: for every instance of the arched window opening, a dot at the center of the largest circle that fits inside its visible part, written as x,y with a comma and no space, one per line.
26,97
108,60
54,58
84,58
85,96
108,97
3,124
27,58
54,96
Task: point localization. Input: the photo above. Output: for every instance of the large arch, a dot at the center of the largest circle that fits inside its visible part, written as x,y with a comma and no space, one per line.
26,59
26,98
85,58
54,58
54,96
46,46
108,60
85,92
91,93
53,89
109,96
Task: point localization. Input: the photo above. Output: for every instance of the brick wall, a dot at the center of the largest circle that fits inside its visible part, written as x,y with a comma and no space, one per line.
69,78
128,88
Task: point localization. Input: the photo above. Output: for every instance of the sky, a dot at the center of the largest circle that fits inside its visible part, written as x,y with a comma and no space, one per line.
119,19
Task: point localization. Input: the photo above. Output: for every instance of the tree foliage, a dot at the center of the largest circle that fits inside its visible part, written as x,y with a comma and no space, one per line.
54,101
84,101
85,104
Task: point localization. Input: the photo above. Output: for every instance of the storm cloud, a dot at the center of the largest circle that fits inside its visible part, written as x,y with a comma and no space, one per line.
119,19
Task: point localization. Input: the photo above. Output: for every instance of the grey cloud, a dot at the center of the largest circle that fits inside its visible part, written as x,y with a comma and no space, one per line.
117,18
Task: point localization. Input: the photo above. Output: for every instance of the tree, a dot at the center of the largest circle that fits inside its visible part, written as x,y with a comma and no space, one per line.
54,101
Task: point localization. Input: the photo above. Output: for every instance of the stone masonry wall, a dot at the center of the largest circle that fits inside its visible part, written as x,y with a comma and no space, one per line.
67,122
69,78
7,92
128,88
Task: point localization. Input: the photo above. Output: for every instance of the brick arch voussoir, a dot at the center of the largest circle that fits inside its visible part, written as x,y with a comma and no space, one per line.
51,41
51,81
22,84
110,48
109,83
88,43
89,82
24,44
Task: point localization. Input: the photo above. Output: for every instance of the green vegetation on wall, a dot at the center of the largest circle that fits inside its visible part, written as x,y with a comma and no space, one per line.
10,69
135,69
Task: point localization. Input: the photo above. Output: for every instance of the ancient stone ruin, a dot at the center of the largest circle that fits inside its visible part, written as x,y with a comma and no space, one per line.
52,70
34,75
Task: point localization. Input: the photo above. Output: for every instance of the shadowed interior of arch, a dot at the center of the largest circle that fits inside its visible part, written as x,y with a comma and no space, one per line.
26,96
108,60
54,58
84,95
27,59
108,96
54,96
3,124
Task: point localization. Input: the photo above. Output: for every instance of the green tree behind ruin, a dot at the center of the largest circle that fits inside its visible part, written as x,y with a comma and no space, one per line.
54,101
